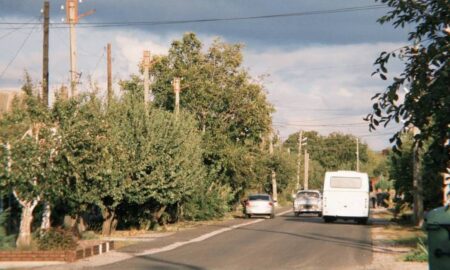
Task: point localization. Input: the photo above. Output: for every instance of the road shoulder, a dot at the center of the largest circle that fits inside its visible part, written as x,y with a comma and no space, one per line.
387,253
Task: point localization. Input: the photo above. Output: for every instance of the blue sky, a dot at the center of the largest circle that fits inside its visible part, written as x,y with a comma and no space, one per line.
318,67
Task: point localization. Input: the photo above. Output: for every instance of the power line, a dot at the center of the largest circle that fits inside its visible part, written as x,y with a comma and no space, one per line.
15,29
328,118
18,51
170,22
98,62
322,125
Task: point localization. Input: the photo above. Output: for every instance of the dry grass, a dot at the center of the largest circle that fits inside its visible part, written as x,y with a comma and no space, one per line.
394,242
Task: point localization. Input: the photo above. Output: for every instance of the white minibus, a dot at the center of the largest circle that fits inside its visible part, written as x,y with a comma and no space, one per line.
346,196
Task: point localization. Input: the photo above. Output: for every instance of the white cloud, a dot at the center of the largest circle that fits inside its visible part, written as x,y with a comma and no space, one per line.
324,87
314,87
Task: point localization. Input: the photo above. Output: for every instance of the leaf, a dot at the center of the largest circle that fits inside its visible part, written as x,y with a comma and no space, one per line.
383,77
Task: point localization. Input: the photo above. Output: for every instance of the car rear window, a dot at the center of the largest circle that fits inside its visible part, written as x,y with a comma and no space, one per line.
346,182
259,197
308,194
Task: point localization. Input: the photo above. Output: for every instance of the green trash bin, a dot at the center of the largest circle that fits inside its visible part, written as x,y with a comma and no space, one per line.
437,225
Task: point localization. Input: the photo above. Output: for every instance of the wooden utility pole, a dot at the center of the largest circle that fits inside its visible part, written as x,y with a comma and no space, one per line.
45,75
146,66
177,89
72,18
299,157
109,71
446,179
274,174
306,178
357,154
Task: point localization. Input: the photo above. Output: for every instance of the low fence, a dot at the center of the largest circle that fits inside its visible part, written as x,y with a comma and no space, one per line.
57,255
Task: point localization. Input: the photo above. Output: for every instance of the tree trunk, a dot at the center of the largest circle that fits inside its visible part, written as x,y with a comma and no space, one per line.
45,224
72,223
81,224
156,216
26,218
108,217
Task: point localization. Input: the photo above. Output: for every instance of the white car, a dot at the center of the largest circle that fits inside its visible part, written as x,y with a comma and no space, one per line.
259,205
308,201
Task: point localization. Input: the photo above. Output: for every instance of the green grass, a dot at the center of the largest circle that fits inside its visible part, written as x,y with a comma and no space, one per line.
420,253
408,241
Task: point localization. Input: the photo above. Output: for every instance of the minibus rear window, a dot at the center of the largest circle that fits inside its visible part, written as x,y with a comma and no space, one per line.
346,182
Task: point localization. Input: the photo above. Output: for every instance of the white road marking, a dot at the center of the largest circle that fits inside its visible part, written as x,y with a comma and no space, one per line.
282,213
197,239
117,256
203,237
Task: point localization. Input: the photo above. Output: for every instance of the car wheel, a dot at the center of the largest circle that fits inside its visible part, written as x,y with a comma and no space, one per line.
328,219
272,216
319,214
362,221
248,216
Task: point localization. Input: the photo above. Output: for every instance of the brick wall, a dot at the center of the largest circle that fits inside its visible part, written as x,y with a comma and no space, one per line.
56,255
37,256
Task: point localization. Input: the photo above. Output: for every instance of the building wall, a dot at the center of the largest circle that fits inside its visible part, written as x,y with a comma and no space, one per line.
6,99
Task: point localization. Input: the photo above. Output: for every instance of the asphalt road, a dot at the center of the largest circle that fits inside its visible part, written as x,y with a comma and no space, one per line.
286,242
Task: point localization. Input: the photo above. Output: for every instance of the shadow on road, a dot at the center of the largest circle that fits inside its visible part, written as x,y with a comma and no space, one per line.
342,241
157,264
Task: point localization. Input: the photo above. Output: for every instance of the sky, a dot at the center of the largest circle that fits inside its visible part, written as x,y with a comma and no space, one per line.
316,68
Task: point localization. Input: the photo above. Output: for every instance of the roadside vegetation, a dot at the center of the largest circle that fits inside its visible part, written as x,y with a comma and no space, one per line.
90,164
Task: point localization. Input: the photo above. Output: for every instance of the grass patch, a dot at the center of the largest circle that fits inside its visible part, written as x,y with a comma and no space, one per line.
419,254
89,235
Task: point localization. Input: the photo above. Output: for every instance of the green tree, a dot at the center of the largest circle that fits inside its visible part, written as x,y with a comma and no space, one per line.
29,142
215,88
426,105
92,160
165,158
400,165
335,151
231,110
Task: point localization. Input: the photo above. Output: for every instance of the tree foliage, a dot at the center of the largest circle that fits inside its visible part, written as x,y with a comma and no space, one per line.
400,166
335,151
231,109
426,105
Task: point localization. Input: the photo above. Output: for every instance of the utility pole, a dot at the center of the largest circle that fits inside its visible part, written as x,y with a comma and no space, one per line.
109,71
45,75
299,157
446,178
177,89
301,141
274,174
357,154
146,65
72,18
306,178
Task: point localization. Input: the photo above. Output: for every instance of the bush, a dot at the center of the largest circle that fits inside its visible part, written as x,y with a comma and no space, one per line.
208,203
89,235
6,241
56,239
